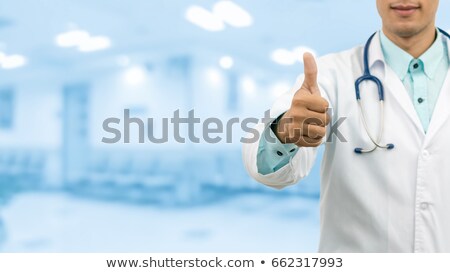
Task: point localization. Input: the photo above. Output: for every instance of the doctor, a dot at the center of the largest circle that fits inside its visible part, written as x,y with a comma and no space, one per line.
385,185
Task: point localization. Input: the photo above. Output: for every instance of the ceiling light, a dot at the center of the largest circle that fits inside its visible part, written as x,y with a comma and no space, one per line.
215,77
248,85
226,62
94,44
289,57
232,14
204,19
12,61
283,57
135,75
71,38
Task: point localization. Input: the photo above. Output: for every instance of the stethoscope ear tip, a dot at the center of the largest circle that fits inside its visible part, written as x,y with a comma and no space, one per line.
390,146
358,150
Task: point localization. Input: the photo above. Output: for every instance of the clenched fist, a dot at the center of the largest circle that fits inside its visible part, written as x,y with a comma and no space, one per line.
305,122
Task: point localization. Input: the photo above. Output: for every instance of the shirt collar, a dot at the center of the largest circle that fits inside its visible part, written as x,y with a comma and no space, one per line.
399,60
433,56
375,52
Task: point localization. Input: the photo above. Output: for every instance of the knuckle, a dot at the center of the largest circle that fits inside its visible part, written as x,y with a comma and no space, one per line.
302,120
317,132
296,102
322,131
313,120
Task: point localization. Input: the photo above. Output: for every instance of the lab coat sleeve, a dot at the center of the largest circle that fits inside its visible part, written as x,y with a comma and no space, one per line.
299,166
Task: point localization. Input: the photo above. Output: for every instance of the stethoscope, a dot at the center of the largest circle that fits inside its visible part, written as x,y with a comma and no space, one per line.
369,77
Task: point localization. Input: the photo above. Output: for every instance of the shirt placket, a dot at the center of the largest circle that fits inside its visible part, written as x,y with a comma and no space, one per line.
420,94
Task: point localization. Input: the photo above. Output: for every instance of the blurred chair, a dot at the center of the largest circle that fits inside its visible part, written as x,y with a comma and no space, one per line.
97,169
9,171
17,170
99,179
35,169
204,177
233,172
137,190
4,161
28,170
157,184
121,168
5,180
123,177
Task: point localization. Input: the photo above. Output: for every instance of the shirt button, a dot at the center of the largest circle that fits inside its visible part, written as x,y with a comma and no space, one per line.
415,66
420,100
279,153
424,206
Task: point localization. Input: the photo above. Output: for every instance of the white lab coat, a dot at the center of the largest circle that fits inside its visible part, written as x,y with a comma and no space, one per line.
385,201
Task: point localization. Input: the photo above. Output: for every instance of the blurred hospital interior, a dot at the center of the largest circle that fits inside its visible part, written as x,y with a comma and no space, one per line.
66,66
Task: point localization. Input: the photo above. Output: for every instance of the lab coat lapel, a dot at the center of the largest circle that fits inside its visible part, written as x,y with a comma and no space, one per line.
442,109
397,96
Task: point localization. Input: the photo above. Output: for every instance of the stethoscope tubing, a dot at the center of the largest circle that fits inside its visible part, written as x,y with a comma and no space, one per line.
367,76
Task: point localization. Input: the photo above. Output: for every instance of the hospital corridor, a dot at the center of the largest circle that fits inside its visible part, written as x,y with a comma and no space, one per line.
85,85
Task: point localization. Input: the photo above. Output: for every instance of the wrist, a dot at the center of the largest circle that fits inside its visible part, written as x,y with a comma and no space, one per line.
278,130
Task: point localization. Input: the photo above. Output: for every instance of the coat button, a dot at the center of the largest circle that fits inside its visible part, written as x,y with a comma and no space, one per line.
424,206
426,154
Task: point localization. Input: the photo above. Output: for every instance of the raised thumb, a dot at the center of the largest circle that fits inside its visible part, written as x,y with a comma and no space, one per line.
310,71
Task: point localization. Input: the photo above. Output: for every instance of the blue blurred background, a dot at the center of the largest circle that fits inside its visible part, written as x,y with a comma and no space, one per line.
66,66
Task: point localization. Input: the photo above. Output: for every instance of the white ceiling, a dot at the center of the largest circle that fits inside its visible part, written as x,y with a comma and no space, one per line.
151,26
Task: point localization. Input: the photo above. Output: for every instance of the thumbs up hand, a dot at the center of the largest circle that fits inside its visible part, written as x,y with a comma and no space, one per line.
305,122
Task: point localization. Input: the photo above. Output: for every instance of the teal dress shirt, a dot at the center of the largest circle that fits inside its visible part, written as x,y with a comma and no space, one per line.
423,79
